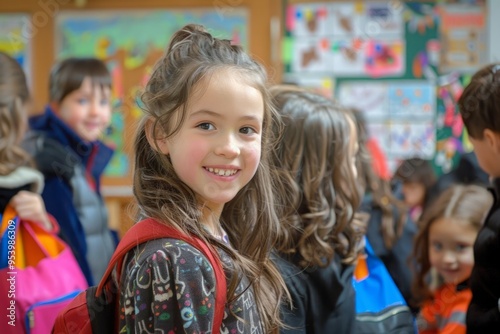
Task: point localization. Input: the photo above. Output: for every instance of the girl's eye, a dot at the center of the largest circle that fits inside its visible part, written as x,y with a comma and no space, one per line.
205,126
83,101
437,245
247,130
461,248
104,102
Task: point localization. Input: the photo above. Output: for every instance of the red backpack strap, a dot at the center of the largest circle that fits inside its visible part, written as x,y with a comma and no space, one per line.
150,229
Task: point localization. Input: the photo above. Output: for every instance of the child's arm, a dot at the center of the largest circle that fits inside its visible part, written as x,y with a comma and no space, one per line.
172,289
29,206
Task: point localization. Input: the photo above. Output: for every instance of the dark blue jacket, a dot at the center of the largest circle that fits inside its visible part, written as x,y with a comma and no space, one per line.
67,163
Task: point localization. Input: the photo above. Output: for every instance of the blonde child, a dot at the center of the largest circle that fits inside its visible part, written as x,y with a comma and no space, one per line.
202,166
20,182
68,152
443,253
319,195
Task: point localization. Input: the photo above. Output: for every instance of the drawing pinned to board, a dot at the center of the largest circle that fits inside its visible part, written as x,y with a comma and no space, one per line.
308,20
346,19
411,100
384,58
463,38
311,55
130,44
410,139
369,97
384,19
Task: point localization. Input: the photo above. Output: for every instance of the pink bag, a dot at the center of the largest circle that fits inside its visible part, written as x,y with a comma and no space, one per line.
38,277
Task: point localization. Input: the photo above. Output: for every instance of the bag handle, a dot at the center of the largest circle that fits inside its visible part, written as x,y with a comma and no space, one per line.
150,229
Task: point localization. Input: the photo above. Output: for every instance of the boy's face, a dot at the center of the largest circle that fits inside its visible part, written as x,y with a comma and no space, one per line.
86,110
487,151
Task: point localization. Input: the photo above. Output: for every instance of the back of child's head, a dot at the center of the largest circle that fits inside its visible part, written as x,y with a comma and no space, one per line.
192,58
14,96
318,186
68,75
378,188
460,204
479,103
416,170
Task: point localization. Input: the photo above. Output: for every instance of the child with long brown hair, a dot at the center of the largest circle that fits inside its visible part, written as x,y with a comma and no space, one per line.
319,196
20,183
201,166
443,253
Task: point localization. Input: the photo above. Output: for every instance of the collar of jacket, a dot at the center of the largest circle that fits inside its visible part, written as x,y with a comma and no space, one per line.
96,153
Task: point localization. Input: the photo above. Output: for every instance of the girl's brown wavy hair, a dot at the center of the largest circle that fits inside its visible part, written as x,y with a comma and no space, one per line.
193,55
465,203
319,192
14,95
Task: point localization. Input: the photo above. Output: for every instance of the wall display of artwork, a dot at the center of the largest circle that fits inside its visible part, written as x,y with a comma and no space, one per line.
403,63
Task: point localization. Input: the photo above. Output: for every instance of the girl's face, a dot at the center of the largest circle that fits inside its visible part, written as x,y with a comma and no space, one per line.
86,110
451,244
218,148
414,193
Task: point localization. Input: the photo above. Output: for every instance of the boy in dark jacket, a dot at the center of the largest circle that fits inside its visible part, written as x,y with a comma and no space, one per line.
66,147
480,109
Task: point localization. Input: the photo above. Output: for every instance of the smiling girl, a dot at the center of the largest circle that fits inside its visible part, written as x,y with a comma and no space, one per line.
443,251
202,153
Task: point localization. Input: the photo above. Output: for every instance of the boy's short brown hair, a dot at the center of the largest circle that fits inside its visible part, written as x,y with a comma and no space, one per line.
68,75
479,104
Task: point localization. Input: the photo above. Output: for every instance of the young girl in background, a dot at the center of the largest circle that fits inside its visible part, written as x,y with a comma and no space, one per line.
319,196
417,177
20,184
202,167
443,252
67,150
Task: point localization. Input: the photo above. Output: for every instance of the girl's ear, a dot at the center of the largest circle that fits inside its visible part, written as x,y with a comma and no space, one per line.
493,139
156,139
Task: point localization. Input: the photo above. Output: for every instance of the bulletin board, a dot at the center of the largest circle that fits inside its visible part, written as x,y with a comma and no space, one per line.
403,64
130,42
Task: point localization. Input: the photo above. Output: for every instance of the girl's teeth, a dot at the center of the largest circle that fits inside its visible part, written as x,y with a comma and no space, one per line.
221,172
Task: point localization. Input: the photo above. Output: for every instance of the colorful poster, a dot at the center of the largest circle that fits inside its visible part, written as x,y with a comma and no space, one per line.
15,36
130,42
463,38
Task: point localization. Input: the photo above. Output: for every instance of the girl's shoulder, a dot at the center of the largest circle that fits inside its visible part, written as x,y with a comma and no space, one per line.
175,251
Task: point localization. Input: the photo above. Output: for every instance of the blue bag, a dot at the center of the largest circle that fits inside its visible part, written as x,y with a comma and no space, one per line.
380,307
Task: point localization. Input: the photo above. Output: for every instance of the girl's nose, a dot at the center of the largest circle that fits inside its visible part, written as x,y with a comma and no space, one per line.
228,147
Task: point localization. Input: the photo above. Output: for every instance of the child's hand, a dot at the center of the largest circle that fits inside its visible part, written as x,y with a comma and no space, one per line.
30,206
